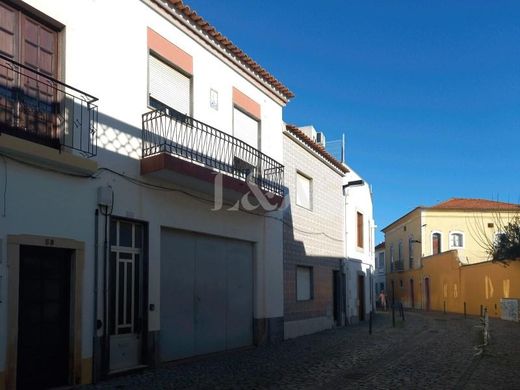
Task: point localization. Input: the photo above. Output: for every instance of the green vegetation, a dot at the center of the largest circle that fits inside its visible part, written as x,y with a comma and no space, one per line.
506,246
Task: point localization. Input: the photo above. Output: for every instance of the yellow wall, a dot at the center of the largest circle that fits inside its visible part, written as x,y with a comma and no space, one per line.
402,231
452,284
421,223
474,226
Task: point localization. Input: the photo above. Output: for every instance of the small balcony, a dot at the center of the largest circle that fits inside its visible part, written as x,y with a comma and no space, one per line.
176,142
45,111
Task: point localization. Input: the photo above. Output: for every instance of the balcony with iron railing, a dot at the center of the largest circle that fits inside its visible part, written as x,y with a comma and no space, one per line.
175,141
38,108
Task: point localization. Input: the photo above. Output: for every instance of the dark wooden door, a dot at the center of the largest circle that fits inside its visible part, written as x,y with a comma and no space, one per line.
361,297
412,294
336,297
44,317
427,292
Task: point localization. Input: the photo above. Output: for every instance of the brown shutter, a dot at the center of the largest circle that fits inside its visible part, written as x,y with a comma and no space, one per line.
360,230
7,30
7,47
39,52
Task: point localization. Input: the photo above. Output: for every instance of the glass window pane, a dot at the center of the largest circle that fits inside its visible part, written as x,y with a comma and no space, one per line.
121,294
125,234
303,283
129,295
303,191
138,236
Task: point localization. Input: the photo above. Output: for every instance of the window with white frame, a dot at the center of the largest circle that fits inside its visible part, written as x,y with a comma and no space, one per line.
168,86
456,240
303,191
303,283
381,260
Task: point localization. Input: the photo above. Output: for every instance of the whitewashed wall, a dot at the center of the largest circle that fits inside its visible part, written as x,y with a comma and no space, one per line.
358,199
106,56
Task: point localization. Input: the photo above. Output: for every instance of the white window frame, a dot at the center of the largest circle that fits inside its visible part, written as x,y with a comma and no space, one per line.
311,284
176,69
258,144
381,260
456,232
311,185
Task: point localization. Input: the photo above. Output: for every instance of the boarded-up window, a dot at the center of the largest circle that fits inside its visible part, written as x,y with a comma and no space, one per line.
436,243
303,191
303,283
245,128
360,237
168,86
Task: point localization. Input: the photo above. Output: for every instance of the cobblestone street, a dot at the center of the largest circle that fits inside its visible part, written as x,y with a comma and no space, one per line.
428,350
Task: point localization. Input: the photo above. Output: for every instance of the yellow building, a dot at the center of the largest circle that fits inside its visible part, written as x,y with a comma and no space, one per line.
465,226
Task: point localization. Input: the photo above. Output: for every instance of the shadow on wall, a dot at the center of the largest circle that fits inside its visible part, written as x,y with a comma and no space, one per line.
313,285
444,283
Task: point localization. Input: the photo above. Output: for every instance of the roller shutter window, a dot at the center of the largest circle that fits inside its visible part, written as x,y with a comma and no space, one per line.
245,128
168,87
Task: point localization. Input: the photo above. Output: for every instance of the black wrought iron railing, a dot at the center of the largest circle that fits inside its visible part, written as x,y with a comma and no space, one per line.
42,109
166,130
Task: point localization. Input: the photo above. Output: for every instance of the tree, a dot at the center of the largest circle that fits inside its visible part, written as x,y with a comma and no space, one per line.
506,246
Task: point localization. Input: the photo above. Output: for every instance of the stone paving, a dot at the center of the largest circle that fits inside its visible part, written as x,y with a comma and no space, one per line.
428,350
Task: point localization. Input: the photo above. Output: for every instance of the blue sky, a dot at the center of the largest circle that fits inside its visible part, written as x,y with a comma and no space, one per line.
426,92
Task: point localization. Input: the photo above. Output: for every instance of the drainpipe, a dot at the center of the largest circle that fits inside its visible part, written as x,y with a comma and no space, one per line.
94,321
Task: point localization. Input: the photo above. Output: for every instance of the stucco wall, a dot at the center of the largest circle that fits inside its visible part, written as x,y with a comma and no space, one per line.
452,284
410,227
360,260
106,55
474,226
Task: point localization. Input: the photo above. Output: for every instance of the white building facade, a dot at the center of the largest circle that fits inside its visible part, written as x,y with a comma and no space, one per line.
114,241
359,247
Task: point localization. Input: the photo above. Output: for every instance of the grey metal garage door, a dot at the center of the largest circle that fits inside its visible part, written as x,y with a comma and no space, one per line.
206,294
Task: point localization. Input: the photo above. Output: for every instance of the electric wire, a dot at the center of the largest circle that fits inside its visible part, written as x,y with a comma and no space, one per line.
158,187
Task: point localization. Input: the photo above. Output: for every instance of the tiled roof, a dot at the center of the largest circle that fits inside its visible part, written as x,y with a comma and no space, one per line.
207,29
381,245
316,147
475,204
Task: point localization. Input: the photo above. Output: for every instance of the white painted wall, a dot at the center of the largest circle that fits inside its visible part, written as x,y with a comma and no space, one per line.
106,56
358,198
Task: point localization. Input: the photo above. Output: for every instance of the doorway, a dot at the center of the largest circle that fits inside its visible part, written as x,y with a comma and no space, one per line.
427,292
361,297
412,294
126,294
336,297
44,317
